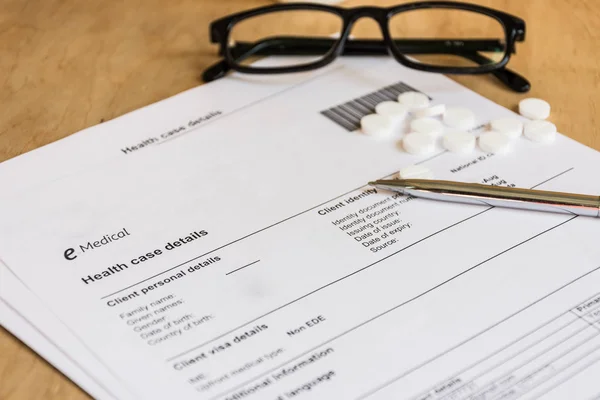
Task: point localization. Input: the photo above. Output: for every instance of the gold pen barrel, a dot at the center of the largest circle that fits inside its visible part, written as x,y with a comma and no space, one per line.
498,196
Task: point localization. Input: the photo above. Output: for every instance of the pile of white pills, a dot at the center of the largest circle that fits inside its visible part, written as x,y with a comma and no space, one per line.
454,124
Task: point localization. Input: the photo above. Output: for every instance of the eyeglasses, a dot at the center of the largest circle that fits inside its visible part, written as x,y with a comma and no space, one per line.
438,36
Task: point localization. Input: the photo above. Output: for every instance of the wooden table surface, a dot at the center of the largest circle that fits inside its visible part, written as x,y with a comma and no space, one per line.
67,65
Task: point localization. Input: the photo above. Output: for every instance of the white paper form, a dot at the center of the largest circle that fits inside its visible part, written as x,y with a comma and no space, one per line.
327,251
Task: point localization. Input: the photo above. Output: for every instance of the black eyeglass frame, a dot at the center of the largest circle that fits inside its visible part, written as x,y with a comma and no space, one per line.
514,30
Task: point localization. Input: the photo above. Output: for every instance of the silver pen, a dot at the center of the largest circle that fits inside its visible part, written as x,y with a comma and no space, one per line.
497,196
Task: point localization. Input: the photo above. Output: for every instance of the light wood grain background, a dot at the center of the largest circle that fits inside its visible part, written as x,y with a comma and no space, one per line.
67,65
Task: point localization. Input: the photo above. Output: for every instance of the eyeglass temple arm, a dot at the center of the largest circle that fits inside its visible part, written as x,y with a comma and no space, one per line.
316,46
510,78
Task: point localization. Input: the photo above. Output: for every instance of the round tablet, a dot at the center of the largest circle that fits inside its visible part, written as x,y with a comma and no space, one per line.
376,125
511,127
418,143
534,108
415,172
414,100
540,131
431,111
459,142
391,109
429,126
459,118
494,142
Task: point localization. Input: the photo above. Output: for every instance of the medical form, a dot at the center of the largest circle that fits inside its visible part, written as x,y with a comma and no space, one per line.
216,256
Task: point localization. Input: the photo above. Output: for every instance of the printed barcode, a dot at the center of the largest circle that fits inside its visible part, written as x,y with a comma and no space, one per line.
349,114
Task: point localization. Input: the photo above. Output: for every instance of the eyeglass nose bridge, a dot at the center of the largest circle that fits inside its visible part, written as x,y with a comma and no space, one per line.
377,14
351,16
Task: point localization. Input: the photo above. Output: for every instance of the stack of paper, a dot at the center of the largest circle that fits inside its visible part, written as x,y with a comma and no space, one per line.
223,244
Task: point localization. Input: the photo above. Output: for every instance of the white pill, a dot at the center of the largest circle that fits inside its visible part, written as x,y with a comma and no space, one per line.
418,143
376,125
540,131
392,109
431,111
534,108
511,127
429,126
459,142
415,172
413,100
459,118
494,142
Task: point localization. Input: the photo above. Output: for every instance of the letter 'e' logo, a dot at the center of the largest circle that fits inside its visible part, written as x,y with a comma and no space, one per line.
70,254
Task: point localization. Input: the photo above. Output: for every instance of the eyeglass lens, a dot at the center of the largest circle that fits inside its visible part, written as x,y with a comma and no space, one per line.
448,37
266,32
